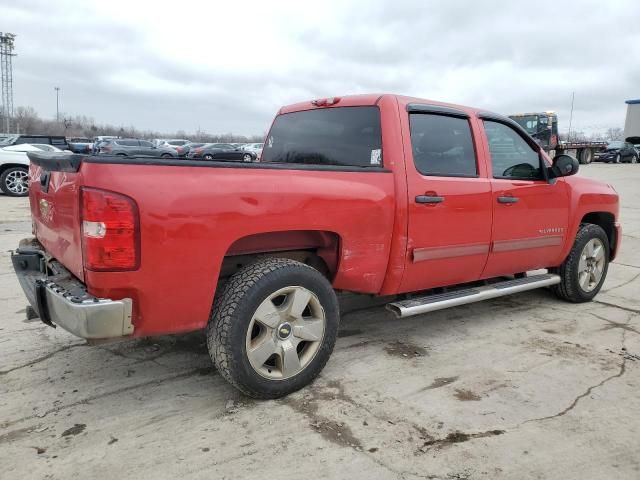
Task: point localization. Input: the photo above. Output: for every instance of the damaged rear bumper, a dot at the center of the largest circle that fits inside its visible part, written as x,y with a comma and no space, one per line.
62,300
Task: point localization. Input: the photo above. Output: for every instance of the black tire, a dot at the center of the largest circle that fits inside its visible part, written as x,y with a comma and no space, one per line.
166,155
618,158
586,156
247,157
634,159
121,154
208,156
234,309
569,288
5,179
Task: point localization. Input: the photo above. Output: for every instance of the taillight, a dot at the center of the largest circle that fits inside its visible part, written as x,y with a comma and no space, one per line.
110,231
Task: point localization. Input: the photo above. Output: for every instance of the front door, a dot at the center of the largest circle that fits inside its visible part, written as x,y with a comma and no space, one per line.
530,214
449,203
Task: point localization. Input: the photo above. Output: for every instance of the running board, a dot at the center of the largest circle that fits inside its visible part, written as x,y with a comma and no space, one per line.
439,301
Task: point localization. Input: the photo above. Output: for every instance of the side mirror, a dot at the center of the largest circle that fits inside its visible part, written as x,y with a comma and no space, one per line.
564,166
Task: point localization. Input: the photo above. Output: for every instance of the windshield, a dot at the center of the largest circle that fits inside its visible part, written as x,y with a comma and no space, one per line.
528,122
345,136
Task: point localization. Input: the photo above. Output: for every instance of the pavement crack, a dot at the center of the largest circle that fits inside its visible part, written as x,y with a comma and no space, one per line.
87,400
43,358
626,309
624,284
621,372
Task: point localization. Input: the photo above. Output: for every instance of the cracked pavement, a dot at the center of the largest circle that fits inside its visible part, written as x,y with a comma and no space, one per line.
519,387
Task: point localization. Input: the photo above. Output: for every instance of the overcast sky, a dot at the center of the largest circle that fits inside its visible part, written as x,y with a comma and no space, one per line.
228,66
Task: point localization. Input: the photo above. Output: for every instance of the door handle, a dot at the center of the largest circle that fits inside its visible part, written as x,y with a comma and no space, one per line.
508,200
429,199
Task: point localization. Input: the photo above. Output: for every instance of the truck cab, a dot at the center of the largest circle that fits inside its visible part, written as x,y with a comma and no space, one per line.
542,126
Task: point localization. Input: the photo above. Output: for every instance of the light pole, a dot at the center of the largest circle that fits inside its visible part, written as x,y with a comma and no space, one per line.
57,89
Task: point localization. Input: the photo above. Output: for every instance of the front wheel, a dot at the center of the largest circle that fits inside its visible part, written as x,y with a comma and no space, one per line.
585,269
618,158
273,328
247,158
14,182
208,156
634,159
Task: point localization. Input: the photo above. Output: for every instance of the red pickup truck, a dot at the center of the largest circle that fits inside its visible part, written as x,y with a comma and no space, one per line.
376,194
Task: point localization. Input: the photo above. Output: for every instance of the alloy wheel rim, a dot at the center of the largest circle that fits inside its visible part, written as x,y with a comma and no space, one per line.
285,333
17,182
591,265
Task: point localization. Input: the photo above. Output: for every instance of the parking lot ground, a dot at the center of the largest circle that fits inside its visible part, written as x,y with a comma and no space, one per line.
515,388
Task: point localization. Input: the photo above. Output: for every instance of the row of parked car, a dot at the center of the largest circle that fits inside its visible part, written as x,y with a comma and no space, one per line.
14,163
619,152
129,147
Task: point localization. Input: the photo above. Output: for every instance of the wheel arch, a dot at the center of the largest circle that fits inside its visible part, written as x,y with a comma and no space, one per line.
5,166
606,221
316,248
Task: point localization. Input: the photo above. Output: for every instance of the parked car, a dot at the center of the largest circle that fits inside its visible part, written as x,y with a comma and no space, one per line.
27,147
169,143
80,145
454,197
187,147
14,172
254,148
55,140
618,152
221,151
132,147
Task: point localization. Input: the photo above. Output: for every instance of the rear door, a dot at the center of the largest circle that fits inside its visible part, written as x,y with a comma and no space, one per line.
146,148
530,214
449,202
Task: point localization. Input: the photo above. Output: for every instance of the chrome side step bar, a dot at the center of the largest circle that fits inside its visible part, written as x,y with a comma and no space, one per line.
439,301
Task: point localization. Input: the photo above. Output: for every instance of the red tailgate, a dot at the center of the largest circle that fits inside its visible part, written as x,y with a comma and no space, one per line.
55,209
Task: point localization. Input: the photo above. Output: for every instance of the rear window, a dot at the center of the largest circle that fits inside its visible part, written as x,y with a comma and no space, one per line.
344,136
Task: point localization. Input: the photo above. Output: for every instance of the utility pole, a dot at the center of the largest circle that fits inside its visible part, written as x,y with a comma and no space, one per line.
573,96
57,89
6,72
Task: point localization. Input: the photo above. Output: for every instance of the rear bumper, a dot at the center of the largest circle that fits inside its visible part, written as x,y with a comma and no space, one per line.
62,300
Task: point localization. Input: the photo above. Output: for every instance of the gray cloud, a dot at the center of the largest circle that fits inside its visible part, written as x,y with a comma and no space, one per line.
168,67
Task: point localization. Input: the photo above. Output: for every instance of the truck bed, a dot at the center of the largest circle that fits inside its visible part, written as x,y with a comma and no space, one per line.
201,211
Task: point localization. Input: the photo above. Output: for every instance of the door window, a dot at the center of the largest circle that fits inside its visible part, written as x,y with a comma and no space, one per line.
511,155
442,146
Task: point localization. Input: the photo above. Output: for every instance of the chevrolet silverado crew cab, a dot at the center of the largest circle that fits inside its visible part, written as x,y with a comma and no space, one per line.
434,204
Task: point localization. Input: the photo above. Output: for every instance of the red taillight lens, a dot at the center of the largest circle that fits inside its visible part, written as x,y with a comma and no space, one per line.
110,231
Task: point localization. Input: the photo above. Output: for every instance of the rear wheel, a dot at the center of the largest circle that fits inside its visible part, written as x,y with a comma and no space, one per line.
166,155
273,328
14,182
586,156
634,159
585,269
247,158
208,156
618,158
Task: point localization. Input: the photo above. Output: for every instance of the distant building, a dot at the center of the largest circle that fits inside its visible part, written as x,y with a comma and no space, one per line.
632,123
